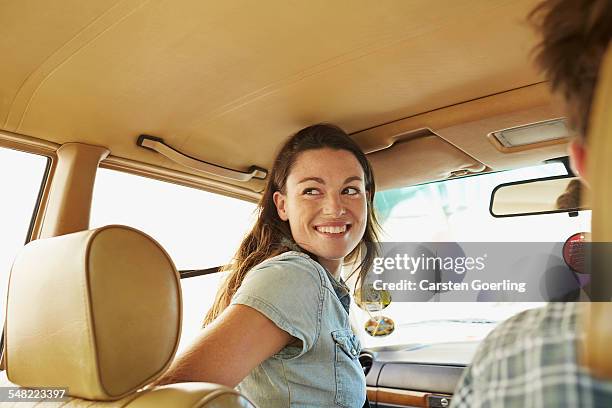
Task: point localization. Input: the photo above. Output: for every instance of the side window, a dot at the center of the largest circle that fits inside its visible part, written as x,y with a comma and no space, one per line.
21,180
198,229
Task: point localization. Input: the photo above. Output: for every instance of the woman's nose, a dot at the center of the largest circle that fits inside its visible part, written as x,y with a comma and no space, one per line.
333,206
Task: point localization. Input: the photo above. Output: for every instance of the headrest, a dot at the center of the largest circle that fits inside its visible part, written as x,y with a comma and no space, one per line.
96,311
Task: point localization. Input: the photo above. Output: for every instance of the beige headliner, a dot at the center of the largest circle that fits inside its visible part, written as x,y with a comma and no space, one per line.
227,81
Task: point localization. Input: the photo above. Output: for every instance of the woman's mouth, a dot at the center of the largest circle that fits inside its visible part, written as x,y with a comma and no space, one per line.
333,230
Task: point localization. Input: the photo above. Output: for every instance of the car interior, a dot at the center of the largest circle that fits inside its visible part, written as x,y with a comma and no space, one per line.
198,96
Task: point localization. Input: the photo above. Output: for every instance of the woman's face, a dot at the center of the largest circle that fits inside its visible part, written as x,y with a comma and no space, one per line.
325,203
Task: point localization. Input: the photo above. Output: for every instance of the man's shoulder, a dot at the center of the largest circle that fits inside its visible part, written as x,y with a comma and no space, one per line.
547,320
534,329
532,359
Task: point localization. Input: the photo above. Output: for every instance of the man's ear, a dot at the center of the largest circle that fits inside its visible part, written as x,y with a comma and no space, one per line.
280,201
578,157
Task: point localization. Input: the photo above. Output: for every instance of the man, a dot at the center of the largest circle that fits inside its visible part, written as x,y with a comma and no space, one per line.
531,359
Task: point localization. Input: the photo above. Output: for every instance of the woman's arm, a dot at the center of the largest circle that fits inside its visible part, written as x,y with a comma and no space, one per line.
228,349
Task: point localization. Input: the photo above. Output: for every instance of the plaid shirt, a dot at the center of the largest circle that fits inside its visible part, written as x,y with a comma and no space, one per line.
530,361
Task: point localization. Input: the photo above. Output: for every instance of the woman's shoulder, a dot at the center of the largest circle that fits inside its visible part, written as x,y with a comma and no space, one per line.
288,260
286,282
291,269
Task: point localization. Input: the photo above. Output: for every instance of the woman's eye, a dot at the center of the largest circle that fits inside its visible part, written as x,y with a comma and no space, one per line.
311,191
351,190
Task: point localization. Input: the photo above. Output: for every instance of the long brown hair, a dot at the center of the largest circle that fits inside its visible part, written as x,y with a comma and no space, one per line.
270,235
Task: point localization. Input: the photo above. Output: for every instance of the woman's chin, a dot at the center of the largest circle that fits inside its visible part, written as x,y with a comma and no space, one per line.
331,255
330,250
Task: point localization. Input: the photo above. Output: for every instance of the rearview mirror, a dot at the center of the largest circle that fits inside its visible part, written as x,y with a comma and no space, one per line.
539,196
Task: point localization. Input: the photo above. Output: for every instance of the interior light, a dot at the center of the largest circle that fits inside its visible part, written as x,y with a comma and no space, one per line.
532,133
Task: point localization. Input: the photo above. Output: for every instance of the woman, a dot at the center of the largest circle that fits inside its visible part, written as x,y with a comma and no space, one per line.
279,327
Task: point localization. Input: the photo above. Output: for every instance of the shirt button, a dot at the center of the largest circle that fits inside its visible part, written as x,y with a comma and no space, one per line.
353,352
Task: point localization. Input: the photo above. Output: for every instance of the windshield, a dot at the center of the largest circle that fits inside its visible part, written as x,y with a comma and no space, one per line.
458,210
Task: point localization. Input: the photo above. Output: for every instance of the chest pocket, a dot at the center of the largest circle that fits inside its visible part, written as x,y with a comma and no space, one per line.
350,381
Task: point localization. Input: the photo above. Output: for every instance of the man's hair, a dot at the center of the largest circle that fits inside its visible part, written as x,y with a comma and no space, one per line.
575,36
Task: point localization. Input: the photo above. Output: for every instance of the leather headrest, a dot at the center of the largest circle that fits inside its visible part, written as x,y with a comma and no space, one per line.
96,311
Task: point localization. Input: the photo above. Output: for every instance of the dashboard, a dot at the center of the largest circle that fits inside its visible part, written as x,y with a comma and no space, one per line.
415,375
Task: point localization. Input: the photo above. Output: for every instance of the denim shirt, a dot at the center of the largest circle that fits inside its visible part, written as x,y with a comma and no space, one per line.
322,368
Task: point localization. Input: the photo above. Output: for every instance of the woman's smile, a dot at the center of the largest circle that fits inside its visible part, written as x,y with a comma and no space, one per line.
333,229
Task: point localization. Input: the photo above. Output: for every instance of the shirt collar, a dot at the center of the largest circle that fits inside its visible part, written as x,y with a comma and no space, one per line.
340,288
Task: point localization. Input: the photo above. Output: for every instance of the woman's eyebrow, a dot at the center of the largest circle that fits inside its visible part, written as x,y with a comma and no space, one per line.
352,178
317,179
321,181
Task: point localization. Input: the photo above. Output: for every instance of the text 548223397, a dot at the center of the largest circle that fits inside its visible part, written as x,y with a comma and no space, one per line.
16,394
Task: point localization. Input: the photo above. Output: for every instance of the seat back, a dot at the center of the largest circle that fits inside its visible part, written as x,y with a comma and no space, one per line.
99,312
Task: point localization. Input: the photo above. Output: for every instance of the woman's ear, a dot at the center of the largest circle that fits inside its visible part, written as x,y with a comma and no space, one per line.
280,201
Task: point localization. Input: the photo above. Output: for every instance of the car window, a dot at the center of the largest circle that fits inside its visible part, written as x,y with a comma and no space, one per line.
198,296
198,229
21,183
458,210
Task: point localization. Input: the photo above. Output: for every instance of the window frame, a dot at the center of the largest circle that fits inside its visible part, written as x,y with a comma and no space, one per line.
36,218
39,148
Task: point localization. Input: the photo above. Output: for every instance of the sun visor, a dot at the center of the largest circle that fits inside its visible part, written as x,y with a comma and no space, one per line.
420,157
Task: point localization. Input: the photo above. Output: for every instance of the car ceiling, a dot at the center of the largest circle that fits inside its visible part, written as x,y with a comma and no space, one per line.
228,81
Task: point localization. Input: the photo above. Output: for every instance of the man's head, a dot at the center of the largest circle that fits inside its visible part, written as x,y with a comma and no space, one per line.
575,36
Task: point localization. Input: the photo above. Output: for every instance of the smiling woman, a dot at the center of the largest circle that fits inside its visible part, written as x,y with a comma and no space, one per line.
280,324
327,215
